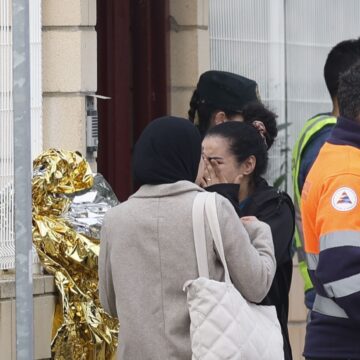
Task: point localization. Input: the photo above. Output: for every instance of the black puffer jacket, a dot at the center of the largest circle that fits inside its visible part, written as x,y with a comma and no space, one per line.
277,210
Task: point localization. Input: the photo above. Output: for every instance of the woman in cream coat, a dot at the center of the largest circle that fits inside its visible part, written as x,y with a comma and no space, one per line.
147,248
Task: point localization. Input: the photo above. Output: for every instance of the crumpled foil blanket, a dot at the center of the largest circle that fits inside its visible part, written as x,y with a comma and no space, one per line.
69,204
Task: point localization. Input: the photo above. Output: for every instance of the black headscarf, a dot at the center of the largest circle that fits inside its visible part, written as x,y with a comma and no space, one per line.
168,150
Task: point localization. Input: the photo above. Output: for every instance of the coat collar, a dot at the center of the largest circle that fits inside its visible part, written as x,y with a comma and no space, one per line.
149,191
345,132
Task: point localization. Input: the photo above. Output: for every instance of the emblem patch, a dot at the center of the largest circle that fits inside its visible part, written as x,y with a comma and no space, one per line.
344,199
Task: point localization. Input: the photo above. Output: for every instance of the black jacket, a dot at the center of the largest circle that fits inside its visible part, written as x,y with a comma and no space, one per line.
277,210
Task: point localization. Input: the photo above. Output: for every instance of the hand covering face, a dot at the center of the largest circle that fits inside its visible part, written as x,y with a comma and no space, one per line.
168,150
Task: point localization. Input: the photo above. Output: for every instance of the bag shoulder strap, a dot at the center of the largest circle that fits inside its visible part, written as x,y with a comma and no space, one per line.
199,234
207,201
212,216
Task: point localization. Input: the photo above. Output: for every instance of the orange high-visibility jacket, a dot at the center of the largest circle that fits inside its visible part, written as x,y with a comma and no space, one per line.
330,211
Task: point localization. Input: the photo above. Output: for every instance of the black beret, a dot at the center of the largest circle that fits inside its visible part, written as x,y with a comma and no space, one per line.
227,91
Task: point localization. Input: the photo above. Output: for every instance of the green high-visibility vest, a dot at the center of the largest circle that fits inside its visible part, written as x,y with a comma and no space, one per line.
311,127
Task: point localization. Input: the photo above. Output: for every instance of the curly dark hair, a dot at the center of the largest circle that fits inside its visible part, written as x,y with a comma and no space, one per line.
257,111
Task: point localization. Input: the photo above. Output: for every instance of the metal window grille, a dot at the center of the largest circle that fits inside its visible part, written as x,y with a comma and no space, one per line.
7,248
278,42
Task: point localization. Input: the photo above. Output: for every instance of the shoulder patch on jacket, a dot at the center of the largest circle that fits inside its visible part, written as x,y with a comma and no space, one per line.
344,199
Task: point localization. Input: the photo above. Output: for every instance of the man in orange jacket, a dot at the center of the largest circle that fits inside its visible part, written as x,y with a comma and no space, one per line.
331,221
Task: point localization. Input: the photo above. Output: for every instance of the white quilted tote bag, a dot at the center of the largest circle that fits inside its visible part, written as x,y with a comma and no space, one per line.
223,324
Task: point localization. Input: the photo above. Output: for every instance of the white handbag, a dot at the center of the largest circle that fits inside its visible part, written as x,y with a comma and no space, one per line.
223,324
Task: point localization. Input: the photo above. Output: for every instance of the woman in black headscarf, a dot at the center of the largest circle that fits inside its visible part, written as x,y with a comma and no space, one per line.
147,246
168,151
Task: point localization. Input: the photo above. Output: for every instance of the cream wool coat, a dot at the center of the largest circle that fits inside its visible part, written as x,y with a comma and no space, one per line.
147,253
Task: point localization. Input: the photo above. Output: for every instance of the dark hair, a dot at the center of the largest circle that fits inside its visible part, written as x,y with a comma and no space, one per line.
244,141
349,93
257,111
204,112
341,57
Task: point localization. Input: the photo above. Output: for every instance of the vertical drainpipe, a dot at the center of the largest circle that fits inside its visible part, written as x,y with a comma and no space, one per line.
22,179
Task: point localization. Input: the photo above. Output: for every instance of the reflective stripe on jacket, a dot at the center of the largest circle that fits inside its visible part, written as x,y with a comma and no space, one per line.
311,128
330,212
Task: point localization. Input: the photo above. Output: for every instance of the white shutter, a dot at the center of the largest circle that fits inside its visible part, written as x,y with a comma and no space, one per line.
7,248
278,42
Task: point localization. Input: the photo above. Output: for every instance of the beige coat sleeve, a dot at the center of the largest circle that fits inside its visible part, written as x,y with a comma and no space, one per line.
249,252
106,286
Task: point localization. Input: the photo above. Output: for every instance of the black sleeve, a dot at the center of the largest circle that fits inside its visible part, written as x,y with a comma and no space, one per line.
281,219
230,192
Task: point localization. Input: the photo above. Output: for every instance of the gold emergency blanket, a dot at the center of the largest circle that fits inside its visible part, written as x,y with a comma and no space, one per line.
81,328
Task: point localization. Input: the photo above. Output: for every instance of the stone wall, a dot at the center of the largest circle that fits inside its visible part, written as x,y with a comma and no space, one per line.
189,50
69,71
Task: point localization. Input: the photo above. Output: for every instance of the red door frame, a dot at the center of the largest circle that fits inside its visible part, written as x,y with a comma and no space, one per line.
133,69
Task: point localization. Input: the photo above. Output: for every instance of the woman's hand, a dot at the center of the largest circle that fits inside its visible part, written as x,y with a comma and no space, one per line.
213,174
